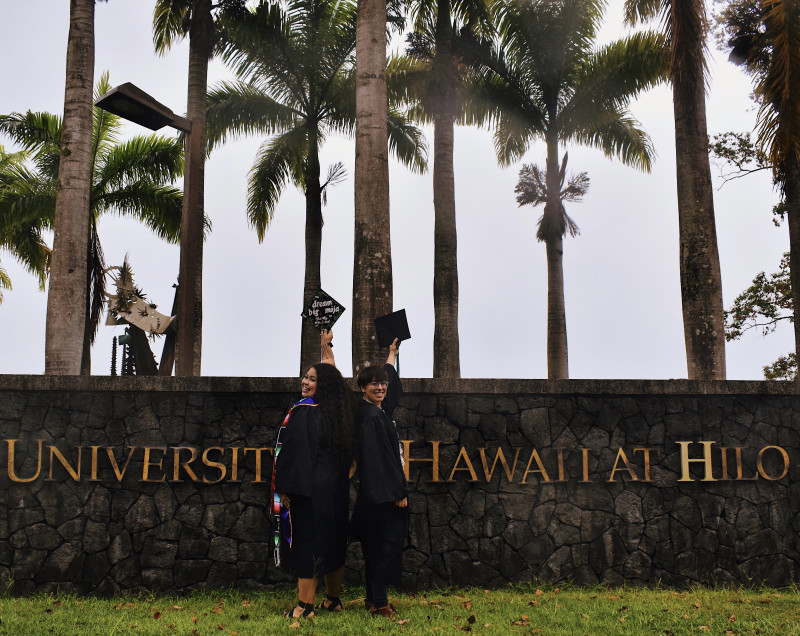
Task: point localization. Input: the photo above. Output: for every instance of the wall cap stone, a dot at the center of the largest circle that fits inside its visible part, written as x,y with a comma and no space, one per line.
464,386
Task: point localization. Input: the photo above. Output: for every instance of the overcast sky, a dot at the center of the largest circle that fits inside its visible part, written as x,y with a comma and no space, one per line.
621,273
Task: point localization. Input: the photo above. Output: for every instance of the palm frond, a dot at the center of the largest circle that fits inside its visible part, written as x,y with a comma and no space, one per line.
336,174
279,160
170,23
155,205
236,109
407,142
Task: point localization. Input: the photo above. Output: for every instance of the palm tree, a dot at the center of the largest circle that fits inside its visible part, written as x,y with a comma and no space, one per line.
765,39
295,64
131,178
172,21
550,84
65,317
444,40
372,247
701,280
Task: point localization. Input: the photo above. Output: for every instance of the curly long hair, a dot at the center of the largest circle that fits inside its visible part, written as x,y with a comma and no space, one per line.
335,400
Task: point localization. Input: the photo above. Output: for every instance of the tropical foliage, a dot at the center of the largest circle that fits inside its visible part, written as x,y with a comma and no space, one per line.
295,64
550,83
131,178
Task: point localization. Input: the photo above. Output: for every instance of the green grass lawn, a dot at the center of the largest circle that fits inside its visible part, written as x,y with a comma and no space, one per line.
522,609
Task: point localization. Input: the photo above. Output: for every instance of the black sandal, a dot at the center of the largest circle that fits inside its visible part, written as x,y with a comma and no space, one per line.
334,604
308,610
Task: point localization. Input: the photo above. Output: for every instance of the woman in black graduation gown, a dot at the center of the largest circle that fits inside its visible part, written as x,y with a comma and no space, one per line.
312,476
380,518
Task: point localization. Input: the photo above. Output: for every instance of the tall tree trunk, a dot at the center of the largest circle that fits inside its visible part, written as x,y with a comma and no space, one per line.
791,189
701,280
372,257
557,353
446,361
446,358
190,308
551,231
309,339
66,299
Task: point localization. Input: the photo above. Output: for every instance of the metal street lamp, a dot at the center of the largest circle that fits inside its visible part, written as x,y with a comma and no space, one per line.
133,104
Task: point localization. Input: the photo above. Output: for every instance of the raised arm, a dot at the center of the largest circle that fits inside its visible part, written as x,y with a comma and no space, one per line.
325,346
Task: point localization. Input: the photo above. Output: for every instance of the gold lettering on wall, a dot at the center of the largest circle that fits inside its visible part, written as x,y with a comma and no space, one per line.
12,475
705,460
148,464
499,456
462,454
622,456
75,473
540,469
408,460
760,462
218,465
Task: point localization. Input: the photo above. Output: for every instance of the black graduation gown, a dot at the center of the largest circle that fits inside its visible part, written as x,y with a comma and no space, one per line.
319,491
377,521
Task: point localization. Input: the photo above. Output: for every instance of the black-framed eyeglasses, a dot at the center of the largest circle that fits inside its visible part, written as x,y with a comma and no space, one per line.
375,384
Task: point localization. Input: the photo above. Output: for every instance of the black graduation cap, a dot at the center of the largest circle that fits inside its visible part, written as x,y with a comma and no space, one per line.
323,311
391,326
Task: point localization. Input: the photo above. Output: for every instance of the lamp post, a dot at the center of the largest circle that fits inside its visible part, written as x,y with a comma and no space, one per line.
133,104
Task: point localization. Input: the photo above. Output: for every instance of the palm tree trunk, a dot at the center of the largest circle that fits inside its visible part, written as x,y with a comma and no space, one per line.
66,299
557,354
701,279
446,362
446,357
552,232
190,308
791,189
309,339
372,258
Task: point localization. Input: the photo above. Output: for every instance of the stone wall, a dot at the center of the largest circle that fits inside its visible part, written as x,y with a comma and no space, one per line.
125,484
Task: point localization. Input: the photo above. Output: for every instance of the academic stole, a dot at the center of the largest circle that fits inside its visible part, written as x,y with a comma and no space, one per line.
283,517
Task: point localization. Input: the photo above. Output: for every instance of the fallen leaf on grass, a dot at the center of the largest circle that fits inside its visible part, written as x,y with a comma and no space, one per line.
194,632
557,590
486,591
472,619
221,627
614,598
121,606
216,610
522,621
156,614
730,632
538,592
246,602
697,605
466,604
586,616
177,607
194,619
621,619
295,625
57,603
705,628
244,617
732,618
403,621
685,616
533,603
487,624
48,611
537,631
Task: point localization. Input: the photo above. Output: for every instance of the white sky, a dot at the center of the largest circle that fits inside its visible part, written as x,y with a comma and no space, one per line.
621,272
